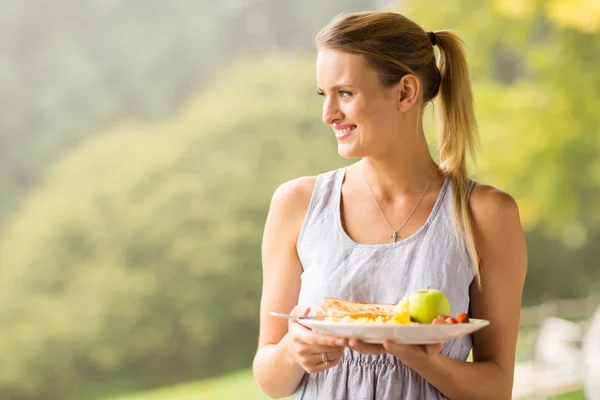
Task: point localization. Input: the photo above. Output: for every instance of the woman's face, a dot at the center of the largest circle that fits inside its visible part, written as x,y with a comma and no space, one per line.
364,115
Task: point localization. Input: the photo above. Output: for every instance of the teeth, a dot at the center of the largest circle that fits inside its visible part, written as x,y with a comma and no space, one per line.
342,131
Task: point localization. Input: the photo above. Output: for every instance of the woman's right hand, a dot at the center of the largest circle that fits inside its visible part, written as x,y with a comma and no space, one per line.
313,351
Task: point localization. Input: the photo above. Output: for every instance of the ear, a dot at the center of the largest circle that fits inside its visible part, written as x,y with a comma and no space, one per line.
409,92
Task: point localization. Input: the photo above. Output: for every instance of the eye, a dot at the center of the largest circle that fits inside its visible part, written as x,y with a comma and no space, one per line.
320,93
344,93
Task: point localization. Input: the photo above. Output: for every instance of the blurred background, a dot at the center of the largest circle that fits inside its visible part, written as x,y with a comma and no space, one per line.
140,144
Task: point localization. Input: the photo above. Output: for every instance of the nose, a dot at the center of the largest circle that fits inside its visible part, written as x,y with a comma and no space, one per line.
331,112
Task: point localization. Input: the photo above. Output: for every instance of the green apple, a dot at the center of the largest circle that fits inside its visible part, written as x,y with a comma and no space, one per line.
426,304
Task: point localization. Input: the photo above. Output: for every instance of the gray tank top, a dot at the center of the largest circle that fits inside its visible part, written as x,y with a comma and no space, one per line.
336,266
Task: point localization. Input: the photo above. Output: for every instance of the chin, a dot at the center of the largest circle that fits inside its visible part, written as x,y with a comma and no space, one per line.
350,151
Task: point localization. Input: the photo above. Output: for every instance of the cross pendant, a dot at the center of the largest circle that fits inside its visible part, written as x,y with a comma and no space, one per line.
394,236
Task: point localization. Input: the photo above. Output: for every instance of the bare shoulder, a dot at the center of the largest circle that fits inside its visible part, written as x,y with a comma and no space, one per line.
295,192
489,205
289,205
294,196
498,229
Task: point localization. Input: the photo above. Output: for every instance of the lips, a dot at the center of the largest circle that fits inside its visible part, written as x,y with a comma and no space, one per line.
343,131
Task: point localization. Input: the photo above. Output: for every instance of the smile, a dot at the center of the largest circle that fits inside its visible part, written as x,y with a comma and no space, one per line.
343,131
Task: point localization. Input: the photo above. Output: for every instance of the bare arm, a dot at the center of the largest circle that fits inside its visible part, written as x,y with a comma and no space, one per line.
276,373
503,266
286,351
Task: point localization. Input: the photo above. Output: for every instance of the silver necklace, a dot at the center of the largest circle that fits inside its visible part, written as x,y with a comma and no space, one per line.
394,234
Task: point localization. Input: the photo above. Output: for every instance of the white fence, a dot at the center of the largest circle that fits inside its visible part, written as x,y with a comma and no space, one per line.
565,349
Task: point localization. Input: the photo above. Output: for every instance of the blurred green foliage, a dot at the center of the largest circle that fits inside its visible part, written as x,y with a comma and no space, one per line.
70,70
536,91
136,261
140,255
536,88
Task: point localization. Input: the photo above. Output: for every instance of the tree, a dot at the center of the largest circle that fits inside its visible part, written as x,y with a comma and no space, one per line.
69,71
534,73
539,135
140,255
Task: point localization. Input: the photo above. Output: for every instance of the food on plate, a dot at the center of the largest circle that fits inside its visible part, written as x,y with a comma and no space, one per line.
427,306
333,307
338,310
461,318
403,312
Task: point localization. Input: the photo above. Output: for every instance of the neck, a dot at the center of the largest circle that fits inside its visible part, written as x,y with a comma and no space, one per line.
402,172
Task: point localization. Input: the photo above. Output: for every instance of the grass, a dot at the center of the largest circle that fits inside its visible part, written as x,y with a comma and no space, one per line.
239,385
578,395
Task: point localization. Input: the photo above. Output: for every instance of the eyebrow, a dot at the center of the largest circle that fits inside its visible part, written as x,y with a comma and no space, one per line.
338,87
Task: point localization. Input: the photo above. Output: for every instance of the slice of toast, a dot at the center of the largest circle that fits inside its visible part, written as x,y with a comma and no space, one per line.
333,307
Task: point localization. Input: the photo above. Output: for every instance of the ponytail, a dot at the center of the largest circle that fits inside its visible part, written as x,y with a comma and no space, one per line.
458,133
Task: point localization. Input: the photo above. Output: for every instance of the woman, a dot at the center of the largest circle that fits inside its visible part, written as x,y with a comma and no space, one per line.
389,224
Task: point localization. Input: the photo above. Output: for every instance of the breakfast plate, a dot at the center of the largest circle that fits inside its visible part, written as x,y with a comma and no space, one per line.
401,333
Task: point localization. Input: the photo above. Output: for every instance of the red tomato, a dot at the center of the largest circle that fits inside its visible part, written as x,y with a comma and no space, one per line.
462,318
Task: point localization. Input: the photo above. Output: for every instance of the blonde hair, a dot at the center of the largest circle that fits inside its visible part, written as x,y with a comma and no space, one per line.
395,46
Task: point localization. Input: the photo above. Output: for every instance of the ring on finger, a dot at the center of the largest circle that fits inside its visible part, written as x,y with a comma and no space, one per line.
324,358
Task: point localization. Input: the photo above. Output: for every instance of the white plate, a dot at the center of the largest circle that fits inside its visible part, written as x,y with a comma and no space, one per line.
405,334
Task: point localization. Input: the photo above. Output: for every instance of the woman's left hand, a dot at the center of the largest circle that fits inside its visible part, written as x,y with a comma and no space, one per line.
411,355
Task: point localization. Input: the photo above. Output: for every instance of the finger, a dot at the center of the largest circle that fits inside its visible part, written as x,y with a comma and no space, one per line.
320,363
367,348
389,344
300,311
316,339
331,362
398,348
311,349
317,362
320,366
434,348
307,342
330,357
